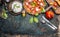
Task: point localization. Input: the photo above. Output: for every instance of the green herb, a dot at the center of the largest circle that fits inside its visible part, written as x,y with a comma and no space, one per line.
15,6
22,0
4,15
31,20
33,4
36,19
36,14
43,10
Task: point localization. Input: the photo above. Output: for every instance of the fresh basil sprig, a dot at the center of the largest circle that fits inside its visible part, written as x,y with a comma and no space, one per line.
4,15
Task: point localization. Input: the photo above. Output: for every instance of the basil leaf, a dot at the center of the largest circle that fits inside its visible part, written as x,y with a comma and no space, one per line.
36,14
31,20
4,15
43,10
36,19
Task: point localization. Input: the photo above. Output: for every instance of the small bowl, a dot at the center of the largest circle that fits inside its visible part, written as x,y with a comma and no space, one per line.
15,7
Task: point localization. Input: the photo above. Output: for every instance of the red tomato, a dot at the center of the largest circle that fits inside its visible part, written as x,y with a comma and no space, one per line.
55,4
49,14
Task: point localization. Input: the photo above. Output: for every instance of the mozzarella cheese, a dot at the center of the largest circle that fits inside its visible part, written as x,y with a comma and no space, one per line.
16,6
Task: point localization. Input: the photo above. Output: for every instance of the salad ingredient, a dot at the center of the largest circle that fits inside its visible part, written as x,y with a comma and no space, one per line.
49,14
34,6
36,19
31,20
23,13
43,10
4,15
16,6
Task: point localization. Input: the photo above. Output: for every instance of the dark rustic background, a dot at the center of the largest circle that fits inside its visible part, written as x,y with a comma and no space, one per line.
18,26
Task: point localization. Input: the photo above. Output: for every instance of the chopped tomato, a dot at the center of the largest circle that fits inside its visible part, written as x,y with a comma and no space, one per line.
34,0
42,4
34,6
26,3
29,6
40,0
30,0
33,12
37,9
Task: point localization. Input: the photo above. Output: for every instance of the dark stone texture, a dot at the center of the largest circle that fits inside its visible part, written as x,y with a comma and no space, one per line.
21,25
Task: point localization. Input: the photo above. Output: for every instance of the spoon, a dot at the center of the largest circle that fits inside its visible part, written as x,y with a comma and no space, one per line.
48,23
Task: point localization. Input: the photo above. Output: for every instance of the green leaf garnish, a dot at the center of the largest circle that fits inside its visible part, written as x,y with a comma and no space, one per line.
15,6
33,4
36,14
4,15
31,20
43,10
36,19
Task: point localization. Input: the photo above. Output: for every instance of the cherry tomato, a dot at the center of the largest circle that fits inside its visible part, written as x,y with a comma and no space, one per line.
49,14
55,4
